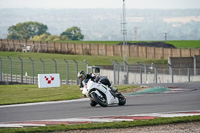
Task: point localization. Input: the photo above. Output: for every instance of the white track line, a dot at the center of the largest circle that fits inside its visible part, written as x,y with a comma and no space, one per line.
21,125
102,119
42,103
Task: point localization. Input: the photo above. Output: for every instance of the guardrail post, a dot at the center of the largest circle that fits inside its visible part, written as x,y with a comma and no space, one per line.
55,65
10,68
32,68
21,69
43,66
67,71
77,81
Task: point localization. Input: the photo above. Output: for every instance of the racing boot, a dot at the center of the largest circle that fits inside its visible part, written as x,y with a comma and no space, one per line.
115,90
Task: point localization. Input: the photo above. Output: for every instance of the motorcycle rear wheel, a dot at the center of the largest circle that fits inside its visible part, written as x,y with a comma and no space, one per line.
100,100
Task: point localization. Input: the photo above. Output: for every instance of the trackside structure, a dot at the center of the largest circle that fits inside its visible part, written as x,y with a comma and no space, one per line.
96,49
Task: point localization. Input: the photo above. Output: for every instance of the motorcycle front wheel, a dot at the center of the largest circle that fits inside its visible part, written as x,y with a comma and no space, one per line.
122,100
100,100
92,103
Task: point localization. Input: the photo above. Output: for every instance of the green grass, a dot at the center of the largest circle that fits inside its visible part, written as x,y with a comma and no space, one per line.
185,44
107,125
13,94
176,43
61,65
92,60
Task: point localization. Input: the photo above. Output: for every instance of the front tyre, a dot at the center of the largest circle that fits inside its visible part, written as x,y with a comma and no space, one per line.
122,100
101,100
92,103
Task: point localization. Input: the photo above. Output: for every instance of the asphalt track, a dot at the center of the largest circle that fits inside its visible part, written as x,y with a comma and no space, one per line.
185,99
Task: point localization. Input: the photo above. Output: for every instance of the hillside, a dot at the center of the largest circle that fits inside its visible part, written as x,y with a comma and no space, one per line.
104,24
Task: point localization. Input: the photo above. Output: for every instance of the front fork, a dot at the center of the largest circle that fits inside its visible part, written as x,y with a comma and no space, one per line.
97,92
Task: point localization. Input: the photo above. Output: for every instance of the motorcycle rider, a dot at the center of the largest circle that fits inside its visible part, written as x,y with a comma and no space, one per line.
83,77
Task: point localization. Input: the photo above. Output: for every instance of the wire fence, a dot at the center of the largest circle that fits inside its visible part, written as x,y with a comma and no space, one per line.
123,73
26,70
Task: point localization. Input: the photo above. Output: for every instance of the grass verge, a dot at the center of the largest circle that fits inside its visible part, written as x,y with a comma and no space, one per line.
176,43
15,94
93,60
107,125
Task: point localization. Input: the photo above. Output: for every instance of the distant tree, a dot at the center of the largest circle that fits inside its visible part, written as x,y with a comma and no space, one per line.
26,31
46,37
73,33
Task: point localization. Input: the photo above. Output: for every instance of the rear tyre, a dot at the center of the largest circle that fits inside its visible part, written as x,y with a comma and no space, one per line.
99,100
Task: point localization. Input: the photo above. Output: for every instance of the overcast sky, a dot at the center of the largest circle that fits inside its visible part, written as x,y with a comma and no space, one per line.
141,4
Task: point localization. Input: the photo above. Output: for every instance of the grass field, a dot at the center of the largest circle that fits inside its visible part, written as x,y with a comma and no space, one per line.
185,44
13,94
176,43
92,60
61,64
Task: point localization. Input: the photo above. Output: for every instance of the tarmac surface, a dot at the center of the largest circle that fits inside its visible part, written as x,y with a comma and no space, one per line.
183,97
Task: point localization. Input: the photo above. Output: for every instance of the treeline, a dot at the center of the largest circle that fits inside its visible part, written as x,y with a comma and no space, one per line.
104,24
38,32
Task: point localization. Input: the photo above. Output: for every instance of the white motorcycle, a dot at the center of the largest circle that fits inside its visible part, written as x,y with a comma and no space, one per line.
101,94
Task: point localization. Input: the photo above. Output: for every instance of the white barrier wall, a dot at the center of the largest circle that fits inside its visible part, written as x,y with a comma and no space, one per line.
135,78
48,80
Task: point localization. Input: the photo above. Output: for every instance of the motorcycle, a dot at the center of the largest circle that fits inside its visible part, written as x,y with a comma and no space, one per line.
101,94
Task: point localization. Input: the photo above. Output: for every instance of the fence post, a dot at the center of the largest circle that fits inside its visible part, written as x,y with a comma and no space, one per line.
43,66
21,69
126,76
32,68
0,69
171,68
10,68
114,66
140,72
87,64
188,71
67,71
55,65
155,72
145,73
77,81
118,70
195,65
188,74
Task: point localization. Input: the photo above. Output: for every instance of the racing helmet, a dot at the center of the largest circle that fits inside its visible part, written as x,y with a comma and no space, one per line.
81,75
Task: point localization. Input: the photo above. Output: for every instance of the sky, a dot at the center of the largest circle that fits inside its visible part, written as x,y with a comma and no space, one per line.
136,4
